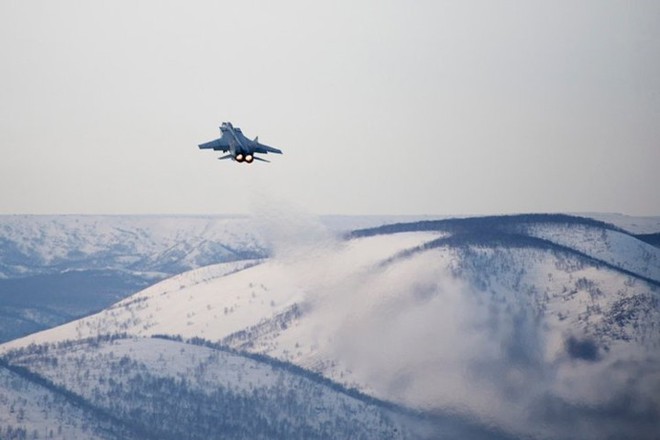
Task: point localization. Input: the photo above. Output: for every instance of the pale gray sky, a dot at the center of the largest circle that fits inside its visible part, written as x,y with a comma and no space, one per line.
381,107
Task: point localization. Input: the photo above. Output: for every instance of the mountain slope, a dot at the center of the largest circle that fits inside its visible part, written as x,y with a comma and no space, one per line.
168,389
29,409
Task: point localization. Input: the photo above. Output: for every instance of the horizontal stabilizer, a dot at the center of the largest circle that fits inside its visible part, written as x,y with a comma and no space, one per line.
228,156
260,159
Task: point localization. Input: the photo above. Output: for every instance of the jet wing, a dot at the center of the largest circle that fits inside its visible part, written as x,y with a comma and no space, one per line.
218,145
261,148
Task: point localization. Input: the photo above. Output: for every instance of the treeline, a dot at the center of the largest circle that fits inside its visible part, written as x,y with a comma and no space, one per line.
43,349
502,223
172,408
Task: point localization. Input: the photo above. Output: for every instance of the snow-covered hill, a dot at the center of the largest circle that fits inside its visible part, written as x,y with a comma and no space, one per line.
159,245
29,409
167,389
542,326
57,268
37,245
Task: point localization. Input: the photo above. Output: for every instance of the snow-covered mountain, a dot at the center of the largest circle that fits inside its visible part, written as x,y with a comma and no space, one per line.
126,388
57,268
542,326
37,245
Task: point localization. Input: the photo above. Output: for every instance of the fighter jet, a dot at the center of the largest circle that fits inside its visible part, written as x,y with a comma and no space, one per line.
240,148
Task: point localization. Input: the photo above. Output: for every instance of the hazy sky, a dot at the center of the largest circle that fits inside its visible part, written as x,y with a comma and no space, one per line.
381,107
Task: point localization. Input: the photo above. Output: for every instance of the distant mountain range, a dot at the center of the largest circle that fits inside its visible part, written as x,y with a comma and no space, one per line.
56,268
525,326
